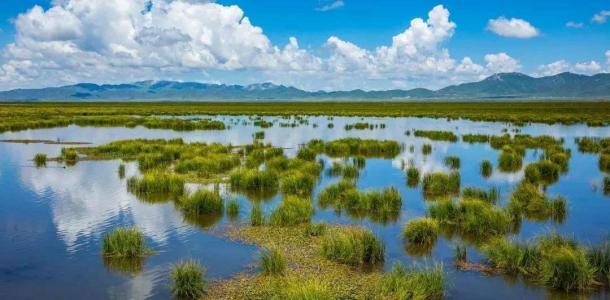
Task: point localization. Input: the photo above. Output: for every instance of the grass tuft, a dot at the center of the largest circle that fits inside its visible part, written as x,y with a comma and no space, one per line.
273,262
354,247
188,280
125,242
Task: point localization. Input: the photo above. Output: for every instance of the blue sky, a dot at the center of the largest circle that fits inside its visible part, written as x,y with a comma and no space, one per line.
40,47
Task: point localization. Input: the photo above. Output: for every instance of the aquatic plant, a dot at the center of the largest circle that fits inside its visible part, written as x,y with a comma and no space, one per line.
542,172
607,185
357,147
188,280
475,138
69,155
306,154
436,135
233,208
604,162
414,283
257,218
259,135
121,171
308,290
156,182
490,195
529,201
486,169
471,217
272,262
315,229
599,258
421,231
40,159
509,160
426,149
359,162
460,253
251,179
353,247
202,202
292,211
297,183
453,162
412,176
124,242
441,184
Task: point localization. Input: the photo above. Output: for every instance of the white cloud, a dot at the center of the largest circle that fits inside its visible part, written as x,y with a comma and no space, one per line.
554,68
515,28
331,6
501,63
572,24
590,67
601,17
608,58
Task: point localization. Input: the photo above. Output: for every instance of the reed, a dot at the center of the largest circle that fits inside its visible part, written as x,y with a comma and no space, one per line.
316,229
452,162
121,171
491,195
529,201
233,208
272,262
156,182
124,242
259,135
542,172
437,135
426,149
354,247
509,160
471,217
412,177
305,290
251,179
257,218
297,183
607,185
188,280
475,138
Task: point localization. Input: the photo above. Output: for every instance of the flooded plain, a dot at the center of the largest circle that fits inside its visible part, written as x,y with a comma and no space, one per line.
52,219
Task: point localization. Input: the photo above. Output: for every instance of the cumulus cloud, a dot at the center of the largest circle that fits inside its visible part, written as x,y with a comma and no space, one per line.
158,39
331,6
553,68
590,67
601,17
501,63
515,28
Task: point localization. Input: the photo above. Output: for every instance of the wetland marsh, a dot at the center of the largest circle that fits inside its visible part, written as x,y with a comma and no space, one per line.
319,200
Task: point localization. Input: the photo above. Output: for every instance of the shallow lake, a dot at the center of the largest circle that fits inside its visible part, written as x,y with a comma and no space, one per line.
52,219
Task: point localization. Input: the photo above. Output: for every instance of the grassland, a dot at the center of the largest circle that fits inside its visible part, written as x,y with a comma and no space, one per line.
20,116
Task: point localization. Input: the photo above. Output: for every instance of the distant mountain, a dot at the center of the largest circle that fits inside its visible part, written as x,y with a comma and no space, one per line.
501,85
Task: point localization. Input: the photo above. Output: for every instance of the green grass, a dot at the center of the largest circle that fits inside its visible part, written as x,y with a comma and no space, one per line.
543,172
486,169
599,258
257,217
202,202
607,185
297,183
441,184
356,147
233,208
272,262
426,149
121,171
259,135
40,159
472,218
124,242
452,162
412,176
476,138
154,183
491,195
509,160
527,200
292,211
421,231
253,180
356,247
188,280
414,283
437,135
308,290
316,229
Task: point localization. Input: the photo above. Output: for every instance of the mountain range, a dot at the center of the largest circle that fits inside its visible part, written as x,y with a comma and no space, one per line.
497,86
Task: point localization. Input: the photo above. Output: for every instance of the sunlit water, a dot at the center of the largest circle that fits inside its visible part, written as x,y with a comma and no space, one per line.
52,219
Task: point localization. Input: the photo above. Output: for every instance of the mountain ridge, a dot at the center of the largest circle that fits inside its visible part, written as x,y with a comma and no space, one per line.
499,85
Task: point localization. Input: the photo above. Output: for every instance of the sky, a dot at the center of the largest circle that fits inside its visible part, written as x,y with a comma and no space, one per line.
309,44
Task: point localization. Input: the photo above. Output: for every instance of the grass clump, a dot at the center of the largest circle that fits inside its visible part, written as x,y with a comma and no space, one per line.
188,280
607,185
475,138
527,200
599,258
253,180
421,231
490,195
273,262
156,183
354,247
543,172
452,162
40,159
415,283
412,177
436,135
472,218
259,135
357,147
510,160
426,149
125,242
257,218
233,208
309,290
292,211
121,171
203,202
297,183
486,169
441,184
380,206
316,229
